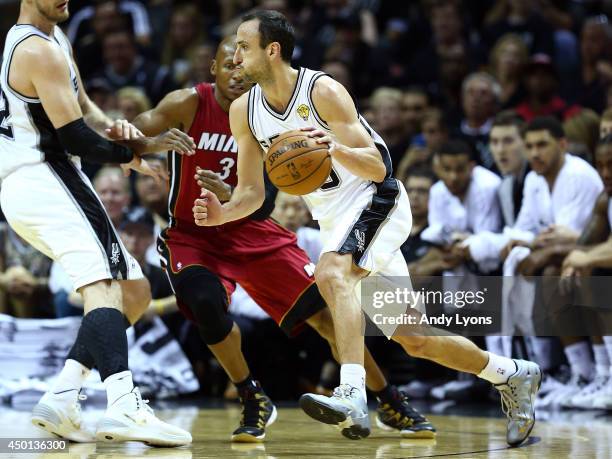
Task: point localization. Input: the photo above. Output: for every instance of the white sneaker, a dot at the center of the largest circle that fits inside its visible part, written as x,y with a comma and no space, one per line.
60,414
566,391
604,399
585,398
549,383
131,419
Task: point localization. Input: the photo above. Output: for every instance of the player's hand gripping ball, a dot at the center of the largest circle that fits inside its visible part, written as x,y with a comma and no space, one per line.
297,164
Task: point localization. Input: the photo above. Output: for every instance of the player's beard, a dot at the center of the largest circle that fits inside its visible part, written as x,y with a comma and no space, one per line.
51,14
260,73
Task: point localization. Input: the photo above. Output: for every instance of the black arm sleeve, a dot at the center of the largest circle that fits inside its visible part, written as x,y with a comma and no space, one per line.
80,140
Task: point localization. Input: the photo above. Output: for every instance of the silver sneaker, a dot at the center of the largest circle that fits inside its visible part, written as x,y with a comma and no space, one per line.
346,408
517,398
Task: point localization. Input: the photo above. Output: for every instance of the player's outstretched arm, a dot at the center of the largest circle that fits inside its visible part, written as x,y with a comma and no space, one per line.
351,145
39,66
175,110
249,194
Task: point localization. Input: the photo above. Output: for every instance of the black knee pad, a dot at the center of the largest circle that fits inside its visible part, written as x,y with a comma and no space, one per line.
202,292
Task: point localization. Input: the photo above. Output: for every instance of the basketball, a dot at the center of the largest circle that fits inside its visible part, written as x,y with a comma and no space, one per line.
296,164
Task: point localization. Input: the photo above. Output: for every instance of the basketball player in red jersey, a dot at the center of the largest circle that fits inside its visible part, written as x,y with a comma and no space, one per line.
204,264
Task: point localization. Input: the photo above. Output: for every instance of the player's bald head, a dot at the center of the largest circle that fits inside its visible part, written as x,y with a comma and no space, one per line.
227,46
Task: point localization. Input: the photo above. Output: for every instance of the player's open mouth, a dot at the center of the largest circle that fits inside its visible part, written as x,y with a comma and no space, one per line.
236,87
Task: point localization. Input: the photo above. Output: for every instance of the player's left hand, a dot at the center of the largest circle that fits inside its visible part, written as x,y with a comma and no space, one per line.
212,181
576,259
207,209
123,130
323,137
143,167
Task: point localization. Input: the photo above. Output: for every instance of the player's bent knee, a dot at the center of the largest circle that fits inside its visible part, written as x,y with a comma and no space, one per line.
136,298
104,293
206,298
416,346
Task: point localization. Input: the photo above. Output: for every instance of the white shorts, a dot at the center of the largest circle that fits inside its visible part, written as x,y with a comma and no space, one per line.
373,232
53,207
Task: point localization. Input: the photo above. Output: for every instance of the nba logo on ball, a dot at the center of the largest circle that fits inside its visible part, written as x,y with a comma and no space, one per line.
303,111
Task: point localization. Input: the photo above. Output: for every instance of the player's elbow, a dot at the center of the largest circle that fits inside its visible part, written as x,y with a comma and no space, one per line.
379,173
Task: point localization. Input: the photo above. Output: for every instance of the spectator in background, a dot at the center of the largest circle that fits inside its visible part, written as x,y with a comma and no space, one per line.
131,102
423,257
89,25
605,126
113,188
480,100
596,63
386,105
508,60
185,35
199,68
414,103
153,196
582,133
522,18
542,99
447,41
508,149
434,134
124,66
24,273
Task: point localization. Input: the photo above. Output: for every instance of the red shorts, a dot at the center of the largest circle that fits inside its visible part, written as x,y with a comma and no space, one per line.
262,256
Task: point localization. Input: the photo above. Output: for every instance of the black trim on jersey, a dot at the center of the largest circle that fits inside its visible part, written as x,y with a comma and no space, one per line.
294,96
91,208
251,111
17,94
363,232
175,184
384,152
48,140
318,117
307,305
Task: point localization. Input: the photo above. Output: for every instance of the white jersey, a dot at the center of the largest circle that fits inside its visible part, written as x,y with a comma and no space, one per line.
342,187
26,134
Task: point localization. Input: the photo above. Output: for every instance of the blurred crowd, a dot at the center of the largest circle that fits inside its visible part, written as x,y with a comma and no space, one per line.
460,90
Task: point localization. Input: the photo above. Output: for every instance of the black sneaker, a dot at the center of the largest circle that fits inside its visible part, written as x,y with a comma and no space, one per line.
398,414
258,412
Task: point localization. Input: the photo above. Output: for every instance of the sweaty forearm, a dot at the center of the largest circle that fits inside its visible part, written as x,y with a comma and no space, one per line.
365,162
244,201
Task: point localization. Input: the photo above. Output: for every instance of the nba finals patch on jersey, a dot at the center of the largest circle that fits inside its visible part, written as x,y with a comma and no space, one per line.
304,111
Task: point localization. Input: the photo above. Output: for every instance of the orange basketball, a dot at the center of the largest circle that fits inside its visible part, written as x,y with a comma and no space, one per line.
296,164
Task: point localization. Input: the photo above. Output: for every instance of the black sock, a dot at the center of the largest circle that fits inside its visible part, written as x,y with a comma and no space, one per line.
247,385
102,333
385,395
80,353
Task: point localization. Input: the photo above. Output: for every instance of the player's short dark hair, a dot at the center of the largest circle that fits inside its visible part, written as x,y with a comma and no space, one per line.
456,147
546,123
274,27
421,172
509,118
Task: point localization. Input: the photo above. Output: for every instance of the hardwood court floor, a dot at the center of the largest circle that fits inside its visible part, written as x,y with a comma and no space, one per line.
294,435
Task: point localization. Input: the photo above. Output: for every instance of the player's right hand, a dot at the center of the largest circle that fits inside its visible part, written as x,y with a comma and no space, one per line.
173,140
207,210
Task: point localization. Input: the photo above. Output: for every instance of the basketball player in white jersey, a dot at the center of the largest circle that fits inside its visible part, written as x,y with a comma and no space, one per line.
364,215
51,204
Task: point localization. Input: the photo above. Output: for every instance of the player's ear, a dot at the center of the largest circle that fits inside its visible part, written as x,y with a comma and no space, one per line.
274,49
213,67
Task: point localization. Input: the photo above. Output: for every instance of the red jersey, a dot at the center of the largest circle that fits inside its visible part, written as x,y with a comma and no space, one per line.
216,151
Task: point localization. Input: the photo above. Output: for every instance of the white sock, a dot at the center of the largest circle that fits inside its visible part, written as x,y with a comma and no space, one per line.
354,375
608,344
118,385
579,357
602,362
498,369
71,377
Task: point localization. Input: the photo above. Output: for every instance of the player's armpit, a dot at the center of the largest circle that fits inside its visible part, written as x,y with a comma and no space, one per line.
40,65
351,145
176,110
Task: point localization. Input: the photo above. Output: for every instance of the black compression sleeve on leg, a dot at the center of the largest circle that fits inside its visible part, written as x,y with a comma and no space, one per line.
102,332
80,353
80,140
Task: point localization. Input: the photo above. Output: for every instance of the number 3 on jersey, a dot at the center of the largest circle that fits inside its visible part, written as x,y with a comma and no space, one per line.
227,164
6,129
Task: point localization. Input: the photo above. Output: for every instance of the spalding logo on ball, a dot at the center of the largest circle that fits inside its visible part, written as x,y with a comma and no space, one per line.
297,164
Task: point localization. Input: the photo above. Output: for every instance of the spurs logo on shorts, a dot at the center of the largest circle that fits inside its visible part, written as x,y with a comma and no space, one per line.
115,253
360,236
